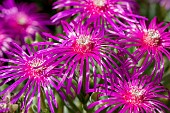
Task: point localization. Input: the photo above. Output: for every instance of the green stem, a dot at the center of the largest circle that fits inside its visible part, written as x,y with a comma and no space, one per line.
75,108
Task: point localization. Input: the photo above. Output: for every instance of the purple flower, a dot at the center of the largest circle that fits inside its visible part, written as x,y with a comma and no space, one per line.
22,20
30,69
132,95
151,40
84,51
96,10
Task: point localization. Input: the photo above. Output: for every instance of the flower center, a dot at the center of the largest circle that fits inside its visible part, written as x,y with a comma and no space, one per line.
135,96
36,62
18,21
83,40
96,7
34,69
22,19
99,3
83,44
152,37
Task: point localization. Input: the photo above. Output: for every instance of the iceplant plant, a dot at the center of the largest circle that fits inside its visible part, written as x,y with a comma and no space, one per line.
29,68
84,51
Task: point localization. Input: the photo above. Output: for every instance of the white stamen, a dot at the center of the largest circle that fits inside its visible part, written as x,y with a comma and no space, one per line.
137,92
99,2
83,40
152,37
36,62
22,19
153,34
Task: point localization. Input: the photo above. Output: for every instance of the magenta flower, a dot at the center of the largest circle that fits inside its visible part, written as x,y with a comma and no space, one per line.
29,69
131,96
152,40
22,20
84,49
96,10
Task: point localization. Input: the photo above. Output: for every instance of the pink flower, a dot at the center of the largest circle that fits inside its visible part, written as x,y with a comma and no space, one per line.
114,12
22,20
83,47
29,68
131,95
152,41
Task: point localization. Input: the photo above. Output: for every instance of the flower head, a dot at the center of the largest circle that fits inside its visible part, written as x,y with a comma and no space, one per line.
131,95
30,69
97,10
151,40
84,49
22,20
